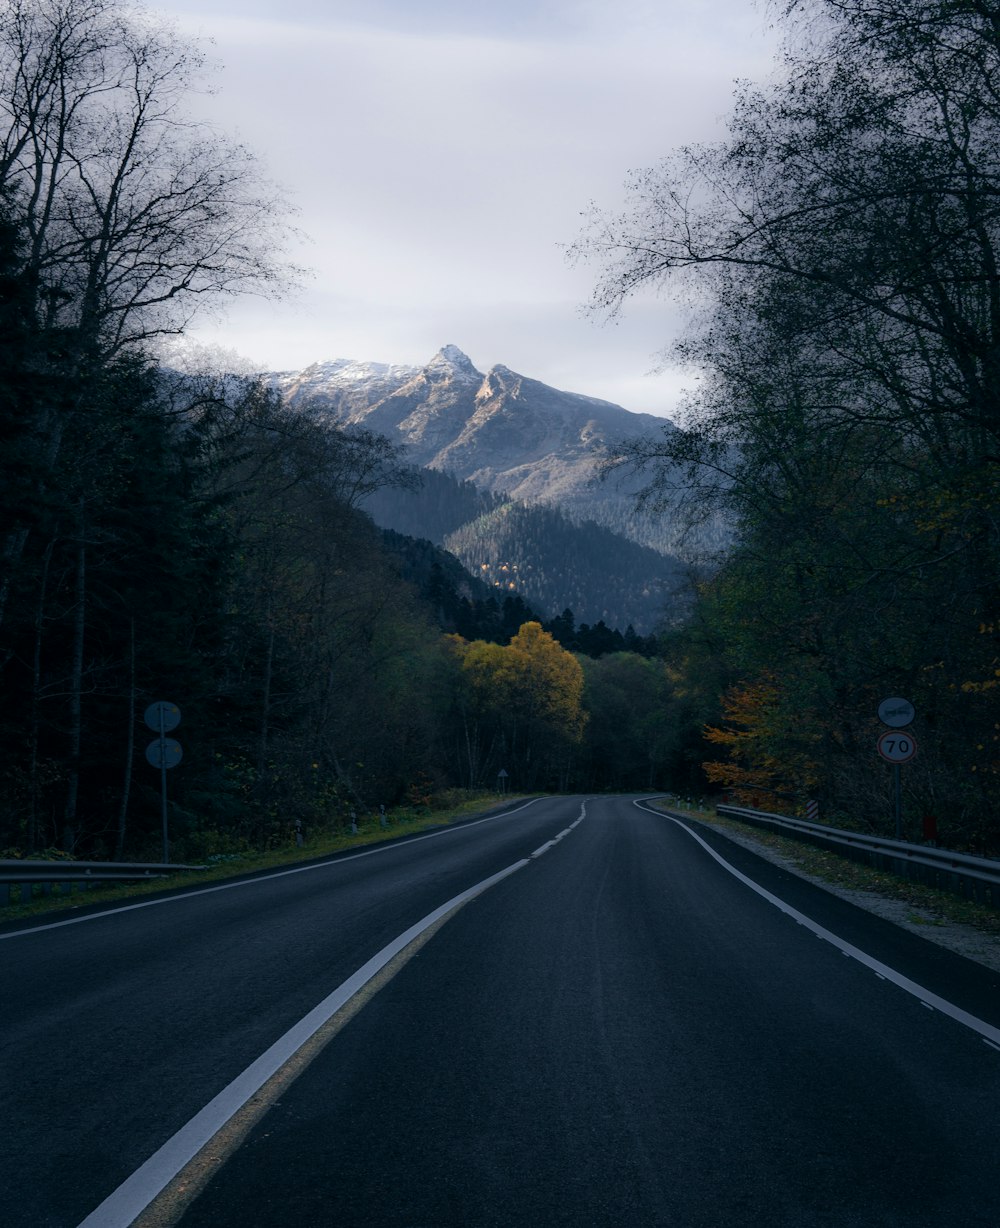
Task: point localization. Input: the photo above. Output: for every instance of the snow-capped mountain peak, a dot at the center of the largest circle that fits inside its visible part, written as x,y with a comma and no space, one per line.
503,431
452,359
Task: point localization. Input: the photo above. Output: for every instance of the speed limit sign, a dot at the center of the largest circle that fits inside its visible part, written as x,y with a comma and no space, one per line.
896,746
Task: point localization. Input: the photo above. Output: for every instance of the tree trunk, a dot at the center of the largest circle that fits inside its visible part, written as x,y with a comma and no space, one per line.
76,693
472,752
36,687
129,748
265,713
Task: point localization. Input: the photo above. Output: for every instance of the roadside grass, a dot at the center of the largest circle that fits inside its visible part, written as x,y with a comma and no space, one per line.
402,822
936,907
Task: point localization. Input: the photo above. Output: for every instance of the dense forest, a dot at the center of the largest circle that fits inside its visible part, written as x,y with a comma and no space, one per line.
189,539
842,245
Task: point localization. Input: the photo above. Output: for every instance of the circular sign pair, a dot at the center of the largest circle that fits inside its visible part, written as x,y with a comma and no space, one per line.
161,717
897,714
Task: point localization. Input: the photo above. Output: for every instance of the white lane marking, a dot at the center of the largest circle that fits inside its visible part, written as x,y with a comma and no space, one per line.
261,878
924,996
991,1044
132,1197
544,848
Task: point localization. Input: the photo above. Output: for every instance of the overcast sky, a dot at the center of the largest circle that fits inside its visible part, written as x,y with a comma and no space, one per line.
441,153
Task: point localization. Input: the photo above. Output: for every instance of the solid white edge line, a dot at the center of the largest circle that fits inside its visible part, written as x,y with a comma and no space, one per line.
984,1029
132,1197
261,878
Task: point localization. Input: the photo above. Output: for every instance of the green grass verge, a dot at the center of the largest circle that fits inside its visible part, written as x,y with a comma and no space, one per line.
853,876
232,865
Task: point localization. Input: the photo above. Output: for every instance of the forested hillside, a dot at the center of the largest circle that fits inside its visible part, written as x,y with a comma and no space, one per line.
539,552
429,504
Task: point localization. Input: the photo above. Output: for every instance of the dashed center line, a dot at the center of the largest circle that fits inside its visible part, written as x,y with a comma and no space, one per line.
544,848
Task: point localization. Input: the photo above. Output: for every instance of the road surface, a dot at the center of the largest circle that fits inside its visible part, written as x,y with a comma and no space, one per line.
638,1024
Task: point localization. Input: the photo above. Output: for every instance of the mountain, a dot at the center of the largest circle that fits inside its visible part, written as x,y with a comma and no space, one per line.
504,432
508,483
431,506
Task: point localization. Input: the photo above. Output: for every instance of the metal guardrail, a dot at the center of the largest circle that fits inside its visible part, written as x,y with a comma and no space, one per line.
972,877
27,874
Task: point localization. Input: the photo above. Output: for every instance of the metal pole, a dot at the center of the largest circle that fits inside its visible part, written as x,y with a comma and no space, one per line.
163,786
899,801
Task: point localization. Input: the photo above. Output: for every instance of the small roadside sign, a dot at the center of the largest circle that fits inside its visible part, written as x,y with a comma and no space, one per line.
164,753
897,747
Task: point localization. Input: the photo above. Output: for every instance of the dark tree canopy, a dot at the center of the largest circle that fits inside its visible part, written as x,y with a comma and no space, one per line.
840,251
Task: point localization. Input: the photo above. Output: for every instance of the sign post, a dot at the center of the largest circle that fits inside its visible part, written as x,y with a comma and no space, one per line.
896,748
502,781
163,753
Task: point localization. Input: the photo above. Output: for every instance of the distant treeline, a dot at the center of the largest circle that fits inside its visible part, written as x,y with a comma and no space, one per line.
466,604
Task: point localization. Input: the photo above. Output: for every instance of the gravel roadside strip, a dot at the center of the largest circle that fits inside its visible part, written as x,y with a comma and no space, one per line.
962,939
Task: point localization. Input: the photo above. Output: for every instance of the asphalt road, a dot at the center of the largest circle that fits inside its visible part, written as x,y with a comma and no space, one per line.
621,1032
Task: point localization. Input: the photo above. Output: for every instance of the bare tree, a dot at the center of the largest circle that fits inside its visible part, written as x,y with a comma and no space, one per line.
129,215
858,198
131,211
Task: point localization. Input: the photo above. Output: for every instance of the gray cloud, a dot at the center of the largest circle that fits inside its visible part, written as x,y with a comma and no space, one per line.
441,155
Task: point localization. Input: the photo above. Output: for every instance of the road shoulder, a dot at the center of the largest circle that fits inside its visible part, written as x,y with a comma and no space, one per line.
976,944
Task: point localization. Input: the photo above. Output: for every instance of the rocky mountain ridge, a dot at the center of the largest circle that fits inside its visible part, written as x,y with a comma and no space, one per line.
503,431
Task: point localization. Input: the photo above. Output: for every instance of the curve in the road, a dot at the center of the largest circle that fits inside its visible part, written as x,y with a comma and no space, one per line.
990,1034
122,1207
337,859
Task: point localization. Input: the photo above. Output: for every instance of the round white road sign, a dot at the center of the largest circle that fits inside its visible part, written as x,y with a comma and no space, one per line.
897,747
